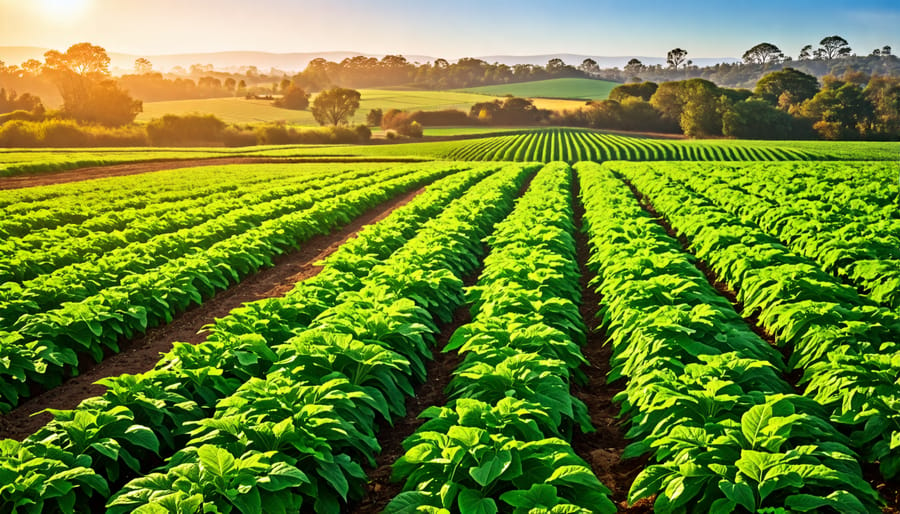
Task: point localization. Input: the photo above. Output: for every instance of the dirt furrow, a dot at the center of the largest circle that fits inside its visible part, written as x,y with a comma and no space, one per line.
141,354
603,448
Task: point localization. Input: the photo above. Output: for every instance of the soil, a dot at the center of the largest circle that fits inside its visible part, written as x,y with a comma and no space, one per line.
134,168
141,354
379,488
603,448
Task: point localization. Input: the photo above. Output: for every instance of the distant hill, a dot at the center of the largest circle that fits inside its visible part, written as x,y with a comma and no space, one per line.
297,61
575,88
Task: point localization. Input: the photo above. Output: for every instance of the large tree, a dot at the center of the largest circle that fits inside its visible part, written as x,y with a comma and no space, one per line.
634,66
763,53
833,47
676,57
787,87
82,76
335,106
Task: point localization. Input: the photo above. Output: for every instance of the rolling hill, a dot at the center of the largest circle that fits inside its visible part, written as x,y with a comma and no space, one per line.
569,88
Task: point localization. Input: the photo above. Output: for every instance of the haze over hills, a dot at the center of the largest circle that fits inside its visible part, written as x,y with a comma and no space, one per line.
297,61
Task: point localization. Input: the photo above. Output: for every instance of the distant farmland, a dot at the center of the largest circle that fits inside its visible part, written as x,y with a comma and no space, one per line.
241,110
577,89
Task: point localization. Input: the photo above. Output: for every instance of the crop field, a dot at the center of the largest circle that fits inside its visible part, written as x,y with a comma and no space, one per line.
497,337
572,88
574,145
522,145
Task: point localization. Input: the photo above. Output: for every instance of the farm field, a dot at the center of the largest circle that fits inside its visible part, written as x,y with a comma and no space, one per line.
535,145
568,88
240,110
468,348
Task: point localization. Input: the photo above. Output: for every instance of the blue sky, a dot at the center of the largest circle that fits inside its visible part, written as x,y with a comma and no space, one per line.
448,29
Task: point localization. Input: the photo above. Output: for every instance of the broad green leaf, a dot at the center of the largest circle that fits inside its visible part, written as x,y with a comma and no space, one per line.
472,502
491,469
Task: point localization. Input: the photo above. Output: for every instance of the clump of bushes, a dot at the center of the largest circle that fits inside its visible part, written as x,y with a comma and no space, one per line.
189,130
68,133
281,134
402,123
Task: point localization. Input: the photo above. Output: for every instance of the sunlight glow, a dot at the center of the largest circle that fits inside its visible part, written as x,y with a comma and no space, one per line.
62,10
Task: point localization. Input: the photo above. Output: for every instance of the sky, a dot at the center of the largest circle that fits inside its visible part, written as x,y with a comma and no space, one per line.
449,28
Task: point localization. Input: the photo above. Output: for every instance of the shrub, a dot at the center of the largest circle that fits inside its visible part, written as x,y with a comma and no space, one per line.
188,130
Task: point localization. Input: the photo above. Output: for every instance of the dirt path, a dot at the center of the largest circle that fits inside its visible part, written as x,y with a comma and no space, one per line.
603,448
134,168
140,355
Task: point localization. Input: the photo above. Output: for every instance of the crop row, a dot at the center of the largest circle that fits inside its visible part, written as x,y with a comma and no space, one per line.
705,396
846,347
500,444
573,145
149,241
45,344
91,228
297,446
851,232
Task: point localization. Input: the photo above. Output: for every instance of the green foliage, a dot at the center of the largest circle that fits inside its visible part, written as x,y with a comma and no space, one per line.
335,106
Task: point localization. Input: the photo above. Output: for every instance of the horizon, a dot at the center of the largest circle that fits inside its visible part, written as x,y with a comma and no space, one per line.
704,29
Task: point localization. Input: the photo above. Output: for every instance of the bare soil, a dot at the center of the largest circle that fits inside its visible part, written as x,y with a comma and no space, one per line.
379,488
603,448
134,168
141,354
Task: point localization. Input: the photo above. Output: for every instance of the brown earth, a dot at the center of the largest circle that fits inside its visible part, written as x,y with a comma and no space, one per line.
134,168
603,448
141,354
379,488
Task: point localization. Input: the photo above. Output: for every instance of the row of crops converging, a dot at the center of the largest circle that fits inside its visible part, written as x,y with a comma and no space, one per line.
574,145
280,408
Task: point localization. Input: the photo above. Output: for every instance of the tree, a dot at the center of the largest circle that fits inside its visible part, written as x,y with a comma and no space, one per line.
841,108
634,66
82,76
675,58
589,66
805,53
833,47
798,85
763,53
643,90
373,119
335,105
886,51
142,66
756,119
31,66
294,98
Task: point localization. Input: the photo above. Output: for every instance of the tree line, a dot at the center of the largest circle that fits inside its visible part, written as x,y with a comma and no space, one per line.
784,104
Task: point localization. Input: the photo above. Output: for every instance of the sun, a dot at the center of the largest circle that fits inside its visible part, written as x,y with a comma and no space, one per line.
63,10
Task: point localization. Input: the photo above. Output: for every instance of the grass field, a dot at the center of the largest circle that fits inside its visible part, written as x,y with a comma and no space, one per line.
240,110
578,89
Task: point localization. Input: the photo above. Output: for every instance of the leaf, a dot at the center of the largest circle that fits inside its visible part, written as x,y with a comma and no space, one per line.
754,422
740,493
491,469
472,502
216,460
333,474
143,437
